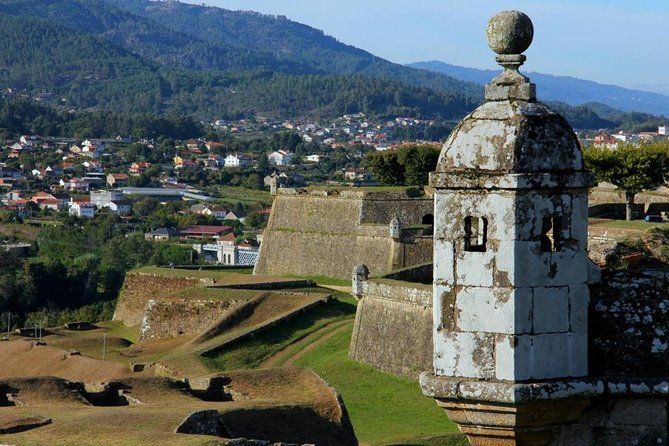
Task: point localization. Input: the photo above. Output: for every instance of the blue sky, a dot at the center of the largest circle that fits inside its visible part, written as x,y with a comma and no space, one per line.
613,41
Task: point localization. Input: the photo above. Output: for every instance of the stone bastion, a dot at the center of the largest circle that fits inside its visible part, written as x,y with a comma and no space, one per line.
325,232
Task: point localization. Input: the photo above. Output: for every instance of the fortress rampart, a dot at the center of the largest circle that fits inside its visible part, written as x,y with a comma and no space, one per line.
393,327
326,232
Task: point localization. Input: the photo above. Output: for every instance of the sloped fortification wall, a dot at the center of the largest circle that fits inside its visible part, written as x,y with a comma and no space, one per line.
184,317
326,233
139,288
393,327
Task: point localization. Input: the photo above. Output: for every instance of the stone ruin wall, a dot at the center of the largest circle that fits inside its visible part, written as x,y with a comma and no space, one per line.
184,317
319,233
393,327
138,288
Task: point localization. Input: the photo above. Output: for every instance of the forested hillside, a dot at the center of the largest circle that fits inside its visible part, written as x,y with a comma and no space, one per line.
169,58
289,41
80,70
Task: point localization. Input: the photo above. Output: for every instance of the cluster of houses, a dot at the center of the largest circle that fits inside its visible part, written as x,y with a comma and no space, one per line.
349,129
611,140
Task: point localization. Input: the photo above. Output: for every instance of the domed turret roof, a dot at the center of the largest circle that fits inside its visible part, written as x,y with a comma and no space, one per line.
511,132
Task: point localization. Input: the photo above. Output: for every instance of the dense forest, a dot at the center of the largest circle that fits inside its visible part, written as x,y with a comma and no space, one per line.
24,116
77,264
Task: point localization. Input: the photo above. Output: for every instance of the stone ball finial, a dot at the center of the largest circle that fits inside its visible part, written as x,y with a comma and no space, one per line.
510,32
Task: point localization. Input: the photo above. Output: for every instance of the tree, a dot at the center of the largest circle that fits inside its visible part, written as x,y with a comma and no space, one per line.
408,166
630,168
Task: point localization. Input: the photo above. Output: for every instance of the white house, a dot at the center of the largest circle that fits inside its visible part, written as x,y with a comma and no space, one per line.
119,207
237,161
82,210
315,158
280,158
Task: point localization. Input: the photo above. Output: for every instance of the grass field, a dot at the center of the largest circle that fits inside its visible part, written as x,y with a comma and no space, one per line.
231,195
638,225
384,409
251,353
19,231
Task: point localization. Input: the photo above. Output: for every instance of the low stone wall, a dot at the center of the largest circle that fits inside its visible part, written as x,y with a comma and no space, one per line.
393,327
138,288
184,317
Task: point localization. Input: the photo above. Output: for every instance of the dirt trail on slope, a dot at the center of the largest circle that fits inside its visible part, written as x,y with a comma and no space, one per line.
312,340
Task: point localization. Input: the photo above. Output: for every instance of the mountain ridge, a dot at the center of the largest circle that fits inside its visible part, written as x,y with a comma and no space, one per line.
568,89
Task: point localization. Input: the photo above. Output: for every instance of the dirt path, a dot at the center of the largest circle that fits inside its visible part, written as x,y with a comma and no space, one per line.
312,341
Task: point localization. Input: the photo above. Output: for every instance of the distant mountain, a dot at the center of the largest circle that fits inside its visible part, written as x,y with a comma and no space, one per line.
289,41
168,57
566,89
79,70
145,38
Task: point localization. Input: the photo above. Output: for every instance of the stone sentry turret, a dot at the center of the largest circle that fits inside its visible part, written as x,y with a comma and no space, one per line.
510,262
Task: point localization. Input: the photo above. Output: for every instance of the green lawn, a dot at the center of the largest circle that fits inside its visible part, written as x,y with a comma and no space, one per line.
250,353
384,409
639,225
230,195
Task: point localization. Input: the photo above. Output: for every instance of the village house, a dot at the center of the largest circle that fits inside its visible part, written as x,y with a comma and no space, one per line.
605,140
93,166
315,158
101,197
358,175
182,162
212,145
16,149
237,161
31,140
117,179
45,200
162,234
138,168
75,184
215,160
119,207
236,215
82,209
626,137
280,158
204,231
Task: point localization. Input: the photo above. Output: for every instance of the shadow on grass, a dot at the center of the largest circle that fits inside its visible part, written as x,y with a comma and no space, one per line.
252,352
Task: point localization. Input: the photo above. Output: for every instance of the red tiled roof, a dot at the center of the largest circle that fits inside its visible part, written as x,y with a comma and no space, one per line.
202,230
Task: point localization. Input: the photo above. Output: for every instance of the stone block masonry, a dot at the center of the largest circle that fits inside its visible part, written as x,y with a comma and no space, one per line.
139,288
393,327
184,317
326,233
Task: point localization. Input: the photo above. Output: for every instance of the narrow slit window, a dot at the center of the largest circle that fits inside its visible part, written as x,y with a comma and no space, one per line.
476,234
551,230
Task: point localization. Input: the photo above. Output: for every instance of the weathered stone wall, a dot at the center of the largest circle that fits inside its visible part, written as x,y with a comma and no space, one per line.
138,288
184,317
319,233
629,320
616,420
411,252
393,327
